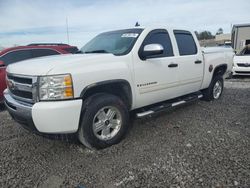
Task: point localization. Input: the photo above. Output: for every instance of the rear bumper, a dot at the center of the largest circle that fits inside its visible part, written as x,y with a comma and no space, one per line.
241,70
61,117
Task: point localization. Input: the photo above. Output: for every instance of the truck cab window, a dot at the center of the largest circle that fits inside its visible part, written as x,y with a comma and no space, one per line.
185,42
160,37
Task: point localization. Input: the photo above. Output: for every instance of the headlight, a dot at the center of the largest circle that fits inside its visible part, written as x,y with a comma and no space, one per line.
56,87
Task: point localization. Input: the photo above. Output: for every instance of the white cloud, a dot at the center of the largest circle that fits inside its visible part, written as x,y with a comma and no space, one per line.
88,18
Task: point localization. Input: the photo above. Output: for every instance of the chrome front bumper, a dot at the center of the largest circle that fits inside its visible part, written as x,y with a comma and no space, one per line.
19,111
22,113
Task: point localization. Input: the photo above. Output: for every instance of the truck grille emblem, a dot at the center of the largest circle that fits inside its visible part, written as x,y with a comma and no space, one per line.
11,84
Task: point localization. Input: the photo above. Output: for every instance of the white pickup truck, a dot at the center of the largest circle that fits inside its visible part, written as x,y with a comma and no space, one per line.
140,70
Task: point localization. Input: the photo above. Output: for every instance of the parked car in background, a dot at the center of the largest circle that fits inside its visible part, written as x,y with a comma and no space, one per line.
226,44
16,54
242,62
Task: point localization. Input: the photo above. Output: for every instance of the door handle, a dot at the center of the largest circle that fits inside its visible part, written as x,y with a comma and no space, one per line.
198,62
172,65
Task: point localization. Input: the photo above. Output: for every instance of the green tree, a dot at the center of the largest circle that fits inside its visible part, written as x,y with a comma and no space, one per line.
204,35
219,32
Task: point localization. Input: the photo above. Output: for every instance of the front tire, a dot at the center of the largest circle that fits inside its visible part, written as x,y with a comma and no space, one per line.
215,89
105,121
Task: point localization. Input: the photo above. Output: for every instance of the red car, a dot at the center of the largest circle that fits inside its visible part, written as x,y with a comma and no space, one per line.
15,54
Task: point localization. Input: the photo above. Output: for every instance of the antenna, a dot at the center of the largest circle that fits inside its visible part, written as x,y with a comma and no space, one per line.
137,24
67,29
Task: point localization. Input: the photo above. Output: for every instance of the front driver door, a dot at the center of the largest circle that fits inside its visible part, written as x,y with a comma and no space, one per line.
156,79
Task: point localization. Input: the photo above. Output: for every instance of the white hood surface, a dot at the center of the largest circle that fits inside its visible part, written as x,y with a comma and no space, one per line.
43,65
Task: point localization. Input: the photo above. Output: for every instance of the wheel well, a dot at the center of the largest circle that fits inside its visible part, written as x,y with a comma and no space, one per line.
119,88
220,70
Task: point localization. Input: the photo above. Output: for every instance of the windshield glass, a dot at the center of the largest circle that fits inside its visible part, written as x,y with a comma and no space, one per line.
116,42
245,51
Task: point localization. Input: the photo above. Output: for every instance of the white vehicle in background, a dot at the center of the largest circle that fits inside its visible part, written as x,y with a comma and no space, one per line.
242,62
144,70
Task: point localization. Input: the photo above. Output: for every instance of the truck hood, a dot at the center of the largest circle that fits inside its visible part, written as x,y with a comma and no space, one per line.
43,65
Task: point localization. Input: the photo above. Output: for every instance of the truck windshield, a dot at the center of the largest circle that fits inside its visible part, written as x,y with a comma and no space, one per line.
116,42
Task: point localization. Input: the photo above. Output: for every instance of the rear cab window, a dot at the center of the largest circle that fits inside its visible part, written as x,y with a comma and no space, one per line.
185,42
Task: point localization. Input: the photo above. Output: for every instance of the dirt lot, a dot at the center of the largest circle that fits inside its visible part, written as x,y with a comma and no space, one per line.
203,144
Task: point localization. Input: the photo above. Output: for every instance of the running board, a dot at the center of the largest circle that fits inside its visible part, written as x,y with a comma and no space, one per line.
169,104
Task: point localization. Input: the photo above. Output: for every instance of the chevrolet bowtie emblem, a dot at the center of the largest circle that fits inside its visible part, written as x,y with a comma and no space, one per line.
11,84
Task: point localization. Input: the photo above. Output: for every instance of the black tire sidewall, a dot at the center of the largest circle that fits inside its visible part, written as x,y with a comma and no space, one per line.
211,88
90,109
208,93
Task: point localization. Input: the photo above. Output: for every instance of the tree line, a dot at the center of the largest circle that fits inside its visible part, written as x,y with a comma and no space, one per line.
205,35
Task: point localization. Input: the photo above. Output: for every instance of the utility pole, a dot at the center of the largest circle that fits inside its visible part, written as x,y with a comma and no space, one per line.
67,29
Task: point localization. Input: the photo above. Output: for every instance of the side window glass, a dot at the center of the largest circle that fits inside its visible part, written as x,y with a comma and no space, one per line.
185,42
43,52
160,37
15,56
72,50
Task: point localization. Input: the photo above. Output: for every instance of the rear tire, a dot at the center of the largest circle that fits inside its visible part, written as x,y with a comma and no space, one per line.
105,121
215,89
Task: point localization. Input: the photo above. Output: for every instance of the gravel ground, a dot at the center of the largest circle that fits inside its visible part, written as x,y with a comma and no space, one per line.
202,144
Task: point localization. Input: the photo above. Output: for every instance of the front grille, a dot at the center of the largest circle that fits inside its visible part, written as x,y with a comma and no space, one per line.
24,94
20,79
243,72
22,88
243,64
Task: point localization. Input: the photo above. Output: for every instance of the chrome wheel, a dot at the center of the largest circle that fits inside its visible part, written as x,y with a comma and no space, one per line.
107,123
217,89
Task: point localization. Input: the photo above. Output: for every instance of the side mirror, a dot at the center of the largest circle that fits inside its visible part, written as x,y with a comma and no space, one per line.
151,50
2,64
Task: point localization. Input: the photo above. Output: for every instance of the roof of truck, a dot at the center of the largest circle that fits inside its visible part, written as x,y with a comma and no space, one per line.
161,26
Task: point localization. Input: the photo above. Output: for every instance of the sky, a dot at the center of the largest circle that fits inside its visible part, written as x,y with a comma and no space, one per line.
31,21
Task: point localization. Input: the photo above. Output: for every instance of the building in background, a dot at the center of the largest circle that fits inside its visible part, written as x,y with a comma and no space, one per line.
240,36
207,43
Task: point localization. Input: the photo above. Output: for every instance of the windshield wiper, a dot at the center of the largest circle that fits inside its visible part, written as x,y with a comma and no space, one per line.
96,51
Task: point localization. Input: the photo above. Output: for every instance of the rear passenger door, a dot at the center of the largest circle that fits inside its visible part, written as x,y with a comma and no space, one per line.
43,52
190,61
